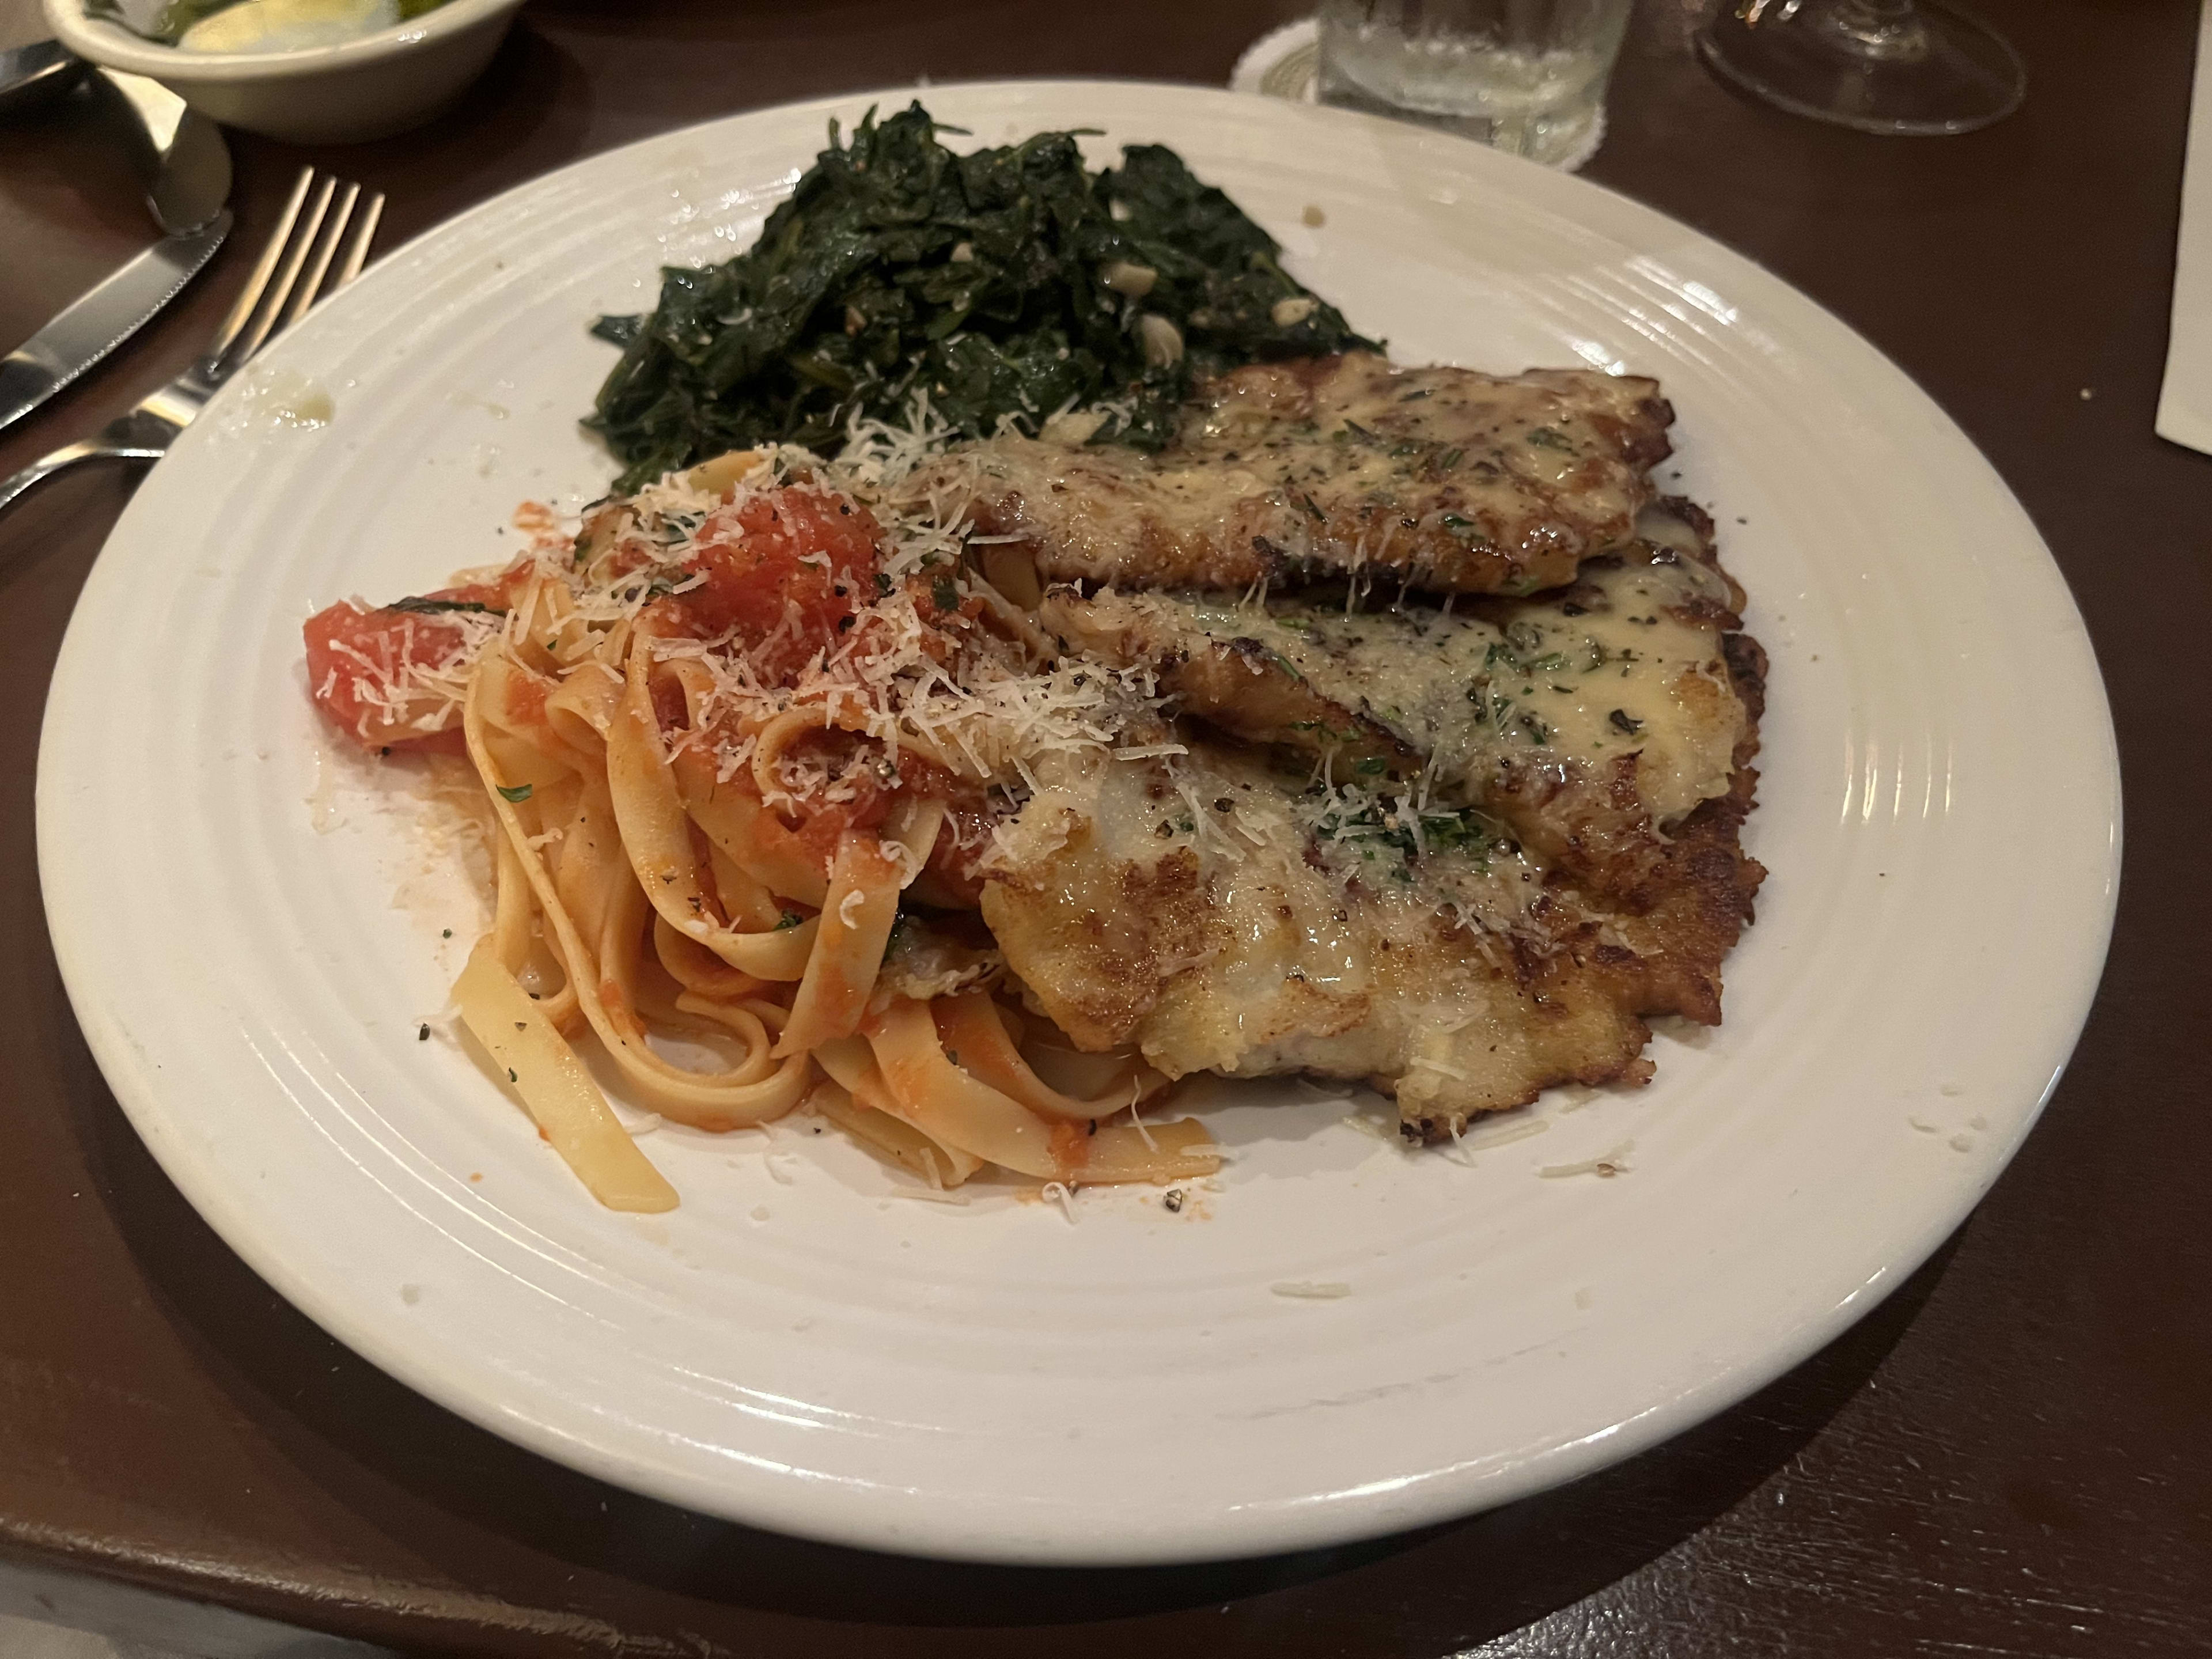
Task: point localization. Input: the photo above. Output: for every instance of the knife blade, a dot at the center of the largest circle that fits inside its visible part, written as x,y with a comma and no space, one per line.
103,318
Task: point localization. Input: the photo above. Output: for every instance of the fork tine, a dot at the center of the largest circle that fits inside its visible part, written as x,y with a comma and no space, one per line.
326,247
364,233
286,278
258,284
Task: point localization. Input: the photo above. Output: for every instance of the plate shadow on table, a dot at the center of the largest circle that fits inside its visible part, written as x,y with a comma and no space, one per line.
446,1492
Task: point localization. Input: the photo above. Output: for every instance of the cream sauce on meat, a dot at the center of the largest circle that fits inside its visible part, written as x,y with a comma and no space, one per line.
1628,661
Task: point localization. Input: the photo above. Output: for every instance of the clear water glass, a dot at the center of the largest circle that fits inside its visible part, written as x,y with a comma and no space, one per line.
1524,75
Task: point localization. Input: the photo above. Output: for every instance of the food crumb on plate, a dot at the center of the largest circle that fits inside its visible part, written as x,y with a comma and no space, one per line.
1605,1165
1311,1290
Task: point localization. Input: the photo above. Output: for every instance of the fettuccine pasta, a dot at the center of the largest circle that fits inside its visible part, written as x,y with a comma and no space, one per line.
741,743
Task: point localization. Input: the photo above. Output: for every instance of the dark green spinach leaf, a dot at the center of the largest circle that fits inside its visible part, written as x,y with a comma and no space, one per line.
1008,282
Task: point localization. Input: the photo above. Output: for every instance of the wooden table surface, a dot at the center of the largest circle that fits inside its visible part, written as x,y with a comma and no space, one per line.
2009,1457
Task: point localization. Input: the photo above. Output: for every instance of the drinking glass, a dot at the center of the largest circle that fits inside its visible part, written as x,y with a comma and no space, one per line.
1524,75
1889,66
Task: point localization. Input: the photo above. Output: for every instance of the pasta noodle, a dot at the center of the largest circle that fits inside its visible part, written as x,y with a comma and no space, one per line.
736,737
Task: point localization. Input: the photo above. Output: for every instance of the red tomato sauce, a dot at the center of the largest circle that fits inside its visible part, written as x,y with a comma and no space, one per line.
788,570
957,868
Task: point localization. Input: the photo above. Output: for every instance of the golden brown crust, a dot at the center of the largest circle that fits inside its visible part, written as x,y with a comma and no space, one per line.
1198,960
1096,936
1445,478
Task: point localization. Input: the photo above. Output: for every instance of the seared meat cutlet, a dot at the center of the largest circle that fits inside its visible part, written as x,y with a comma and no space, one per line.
1589,721
1223,916
1442,479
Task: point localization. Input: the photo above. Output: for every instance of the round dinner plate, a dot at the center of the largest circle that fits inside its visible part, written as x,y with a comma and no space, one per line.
1338,1337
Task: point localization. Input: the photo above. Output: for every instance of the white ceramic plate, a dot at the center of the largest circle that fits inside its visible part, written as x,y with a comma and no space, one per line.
251,931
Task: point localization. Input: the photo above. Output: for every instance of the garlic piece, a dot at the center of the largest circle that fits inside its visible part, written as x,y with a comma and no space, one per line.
1163,341
1126,276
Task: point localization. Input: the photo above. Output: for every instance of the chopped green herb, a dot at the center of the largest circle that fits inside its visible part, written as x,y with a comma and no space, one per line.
788,919
883,583
1624,721
1373,829
1545,438
518,795
438,607
944,595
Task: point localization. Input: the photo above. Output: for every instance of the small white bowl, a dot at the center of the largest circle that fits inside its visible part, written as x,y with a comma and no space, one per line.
371,87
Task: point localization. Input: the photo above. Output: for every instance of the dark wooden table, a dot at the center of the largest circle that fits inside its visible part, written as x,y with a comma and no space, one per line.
2010,1457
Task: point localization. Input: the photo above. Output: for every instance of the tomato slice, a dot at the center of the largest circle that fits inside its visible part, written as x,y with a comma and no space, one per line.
358,659
356,668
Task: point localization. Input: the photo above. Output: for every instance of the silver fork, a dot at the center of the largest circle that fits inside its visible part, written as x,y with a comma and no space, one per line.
294,269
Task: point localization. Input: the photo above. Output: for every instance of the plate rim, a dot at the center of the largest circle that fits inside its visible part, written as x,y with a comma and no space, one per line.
1341,1520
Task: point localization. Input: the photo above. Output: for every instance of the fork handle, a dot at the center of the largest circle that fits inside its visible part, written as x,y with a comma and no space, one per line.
12,489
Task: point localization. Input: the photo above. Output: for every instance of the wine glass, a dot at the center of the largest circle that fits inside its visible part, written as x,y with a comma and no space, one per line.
1887,66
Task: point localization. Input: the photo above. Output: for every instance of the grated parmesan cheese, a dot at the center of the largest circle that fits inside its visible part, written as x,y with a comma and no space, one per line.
1605,1165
